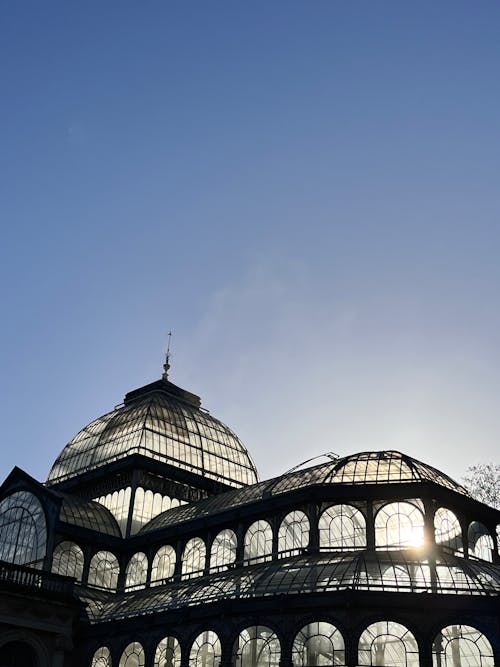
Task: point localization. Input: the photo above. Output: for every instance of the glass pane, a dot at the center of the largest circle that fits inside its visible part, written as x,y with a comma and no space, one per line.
460,646
205,651
293,534
23,532
399,525
318,644
67,560
342,527
257,646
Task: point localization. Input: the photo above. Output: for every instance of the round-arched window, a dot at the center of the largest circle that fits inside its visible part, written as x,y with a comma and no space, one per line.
461,645
136,572
399,525
342,527
206,650
104,570
67,560
133,656
387,643
101,658
256,646
23,530
163,566
223,551
318,644
293,534
258,542
168,653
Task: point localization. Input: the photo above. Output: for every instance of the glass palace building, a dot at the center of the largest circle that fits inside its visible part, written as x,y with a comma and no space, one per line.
154,544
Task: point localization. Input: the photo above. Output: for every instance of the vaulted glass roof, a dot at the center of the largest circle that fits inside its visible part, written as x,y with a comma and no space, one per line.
165,423
392,572
88,514
383,467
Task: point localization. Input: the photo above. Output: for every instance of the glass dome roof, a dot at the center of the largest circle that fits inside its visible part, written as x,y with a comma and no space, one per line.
164,423
383,467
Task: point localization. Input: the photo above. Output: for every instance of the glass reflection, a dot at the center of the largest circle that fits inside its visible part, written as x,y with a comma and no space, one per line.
23,532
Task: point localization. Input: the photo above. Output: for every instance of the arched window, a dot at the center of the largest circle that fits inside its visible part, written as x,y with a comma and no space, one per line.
399,525
256,646
133,656
205,651
293,534
318,644
223,552
163,566
258,542
23,531
118,503
447,530
104,570
342,527
168,653
388,644
461,645
193,558
137,571
102,658
147,505
480,541
67,560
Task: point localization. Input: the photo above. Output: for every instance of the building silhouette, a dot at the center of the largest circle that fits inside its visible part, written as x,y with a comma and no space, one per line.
153,543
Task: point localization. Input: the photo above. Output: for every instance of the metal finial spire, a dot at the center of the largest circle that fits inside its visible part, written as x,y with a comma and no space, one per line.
166,365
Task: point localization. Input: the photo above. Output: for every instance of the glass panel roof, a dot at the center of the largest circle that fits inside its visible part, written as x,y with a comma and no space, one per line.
158,425
88,514
374,571
384,467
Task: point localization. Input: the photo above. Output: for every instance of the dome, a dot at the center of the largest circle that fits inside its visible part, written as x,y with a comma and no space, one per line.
165,423
364,468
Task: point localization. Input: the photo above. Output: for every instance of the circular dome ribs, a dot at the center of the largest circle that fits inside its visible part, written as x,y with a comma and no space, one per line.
160,427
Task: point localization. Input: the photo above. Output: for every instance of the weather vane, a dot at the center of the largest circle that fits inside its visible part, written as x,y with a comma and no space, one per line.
166,365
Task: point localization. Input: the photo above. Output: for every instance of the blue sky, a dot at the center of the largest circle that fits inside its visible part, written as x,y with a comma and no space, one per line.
306,193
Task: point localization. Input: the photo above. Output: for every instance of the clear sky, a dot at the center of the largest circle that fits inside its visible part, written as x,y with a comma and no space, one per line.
306,193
